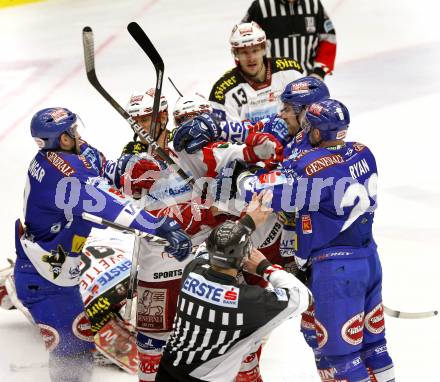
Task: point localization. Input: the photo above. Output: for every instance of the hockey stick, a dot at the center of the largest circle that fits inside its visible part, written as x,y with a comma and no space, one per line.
151,238
133,270
89,59
411,315
175,87
147,46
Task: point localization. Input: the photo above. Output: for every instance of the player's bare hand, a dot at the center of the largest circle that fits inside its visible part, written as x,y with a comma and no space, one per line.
255,258
258,208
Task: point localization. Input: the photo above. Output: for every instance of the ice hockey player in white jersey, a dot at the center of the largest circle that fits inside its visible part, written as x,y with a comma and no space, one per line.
169,194
251,90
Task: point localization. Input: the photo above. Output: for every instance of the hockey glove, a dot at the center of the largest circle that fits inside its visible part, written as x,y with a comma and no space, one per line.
180,243
262,147
278,128
140,173
194,135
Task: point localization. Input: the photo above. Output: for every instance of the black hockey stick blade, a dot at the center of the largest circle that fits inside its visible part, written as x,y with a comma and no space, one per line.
89,60
147,46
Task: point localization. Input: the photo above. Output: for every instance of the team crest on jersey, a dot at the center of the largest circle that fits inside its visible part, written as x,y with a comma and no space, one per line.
310,24
152,308
374,320
56,260
321,334
82,328
50,336
306,224
352,330
308,318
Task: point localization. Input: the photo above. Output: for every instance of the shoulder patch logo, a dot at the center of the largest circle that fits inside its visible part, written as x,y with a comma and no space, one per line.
287,63
222,87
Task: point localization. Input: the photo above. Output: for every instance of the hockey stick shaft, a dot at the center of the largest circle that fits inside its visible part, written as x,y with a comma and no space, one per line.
89,59
409,315
175,87
133,271
120,227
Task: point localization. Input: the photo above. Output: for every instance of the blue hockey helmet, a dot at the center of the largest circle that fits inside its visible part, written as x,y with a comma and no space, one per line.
47,125
330,117
304,91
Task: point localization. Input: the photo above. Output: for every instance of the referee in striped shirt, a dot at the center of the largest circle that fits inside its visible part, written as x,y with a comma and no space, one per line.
299,29
220,321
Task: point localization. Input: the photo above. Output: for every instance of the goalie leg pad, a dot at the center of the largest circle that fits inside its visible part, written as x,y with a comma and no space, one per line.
149,353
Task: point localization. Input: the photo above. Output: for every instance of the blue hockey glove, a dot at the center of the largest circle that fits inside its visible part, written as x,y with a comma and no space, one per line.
193,135
278,128
180,243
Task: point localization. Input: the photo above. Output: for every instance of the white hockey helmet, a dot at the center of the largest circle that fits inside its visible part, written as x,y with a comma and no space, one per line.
188,107
141,103
247,34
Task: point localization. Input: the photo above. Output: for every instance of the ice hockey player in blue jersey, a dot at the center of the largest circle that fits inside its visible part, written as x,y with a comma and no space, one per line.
63,181
331,192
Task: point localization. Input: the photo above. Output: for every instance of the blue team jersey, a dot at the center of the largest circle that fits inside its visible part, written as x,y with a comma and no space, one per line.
60,187
330,192
297,145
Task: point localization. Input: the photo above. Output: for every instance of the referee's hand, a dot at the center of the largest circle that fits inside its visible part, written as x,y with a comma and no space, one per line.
255,258
258,208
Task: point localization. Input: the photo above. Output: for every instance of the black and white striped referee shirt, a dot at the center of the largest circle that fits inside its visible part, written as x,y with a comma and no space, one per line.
300,30
219,321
